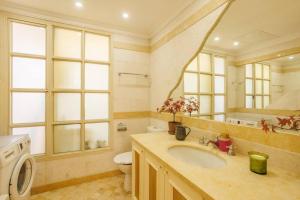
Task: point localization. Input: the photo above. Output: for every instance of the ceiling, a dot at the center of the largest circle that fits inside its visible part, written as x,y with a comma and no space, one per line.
145,16
256,24
286,61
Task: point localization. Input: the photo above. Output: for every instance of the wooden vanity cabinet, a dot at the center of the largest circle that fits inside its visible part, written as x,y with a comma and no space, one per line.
151,180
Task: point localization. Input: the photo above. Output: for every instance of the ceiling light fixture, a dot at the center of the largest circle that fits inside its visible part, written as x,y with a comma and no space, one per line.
291,57
78,4
217,38
125,15
236,43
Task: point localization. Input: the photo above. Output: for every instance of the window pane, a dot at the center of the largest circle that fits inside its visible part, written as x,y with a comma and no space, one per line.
205,83
258,71
219,104
28,107
37,135
205,104
96,106
66,106
266,87
266,72
266,101
190,82
28,73
67,43
204,61
249,102
28,39
220,118
96,77
193,66
258,102
96,135
66,138
249,71
219,65
96,47
219,84
258,87
249,86
67,75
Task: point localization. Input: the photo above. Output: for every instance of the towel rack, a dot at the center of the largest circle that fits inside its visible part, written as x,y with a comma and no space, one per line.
133,74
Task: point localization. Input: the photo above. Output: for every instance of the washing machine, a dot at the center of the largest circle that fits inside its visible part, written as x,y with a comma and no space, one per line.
17,167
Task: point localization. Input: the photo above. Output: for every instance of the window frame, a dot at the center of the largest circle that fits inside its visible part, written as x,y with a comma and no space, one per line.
49,90
253,78
212,94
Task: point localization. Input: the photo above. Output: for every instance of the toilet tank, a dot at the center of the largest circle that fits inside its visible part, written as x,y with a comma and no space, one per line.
153,129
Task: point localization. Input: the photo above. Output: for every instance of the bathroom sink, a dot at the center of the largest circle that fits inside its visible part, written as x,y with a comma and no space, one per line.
198,157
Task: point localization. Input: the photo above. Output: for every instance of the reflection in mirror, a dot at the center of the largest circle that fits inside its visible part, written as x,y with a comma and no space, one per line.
249,68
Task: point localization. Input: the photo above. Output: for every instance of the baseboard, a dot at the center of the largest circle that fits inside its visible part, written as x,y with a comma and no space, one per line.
75,181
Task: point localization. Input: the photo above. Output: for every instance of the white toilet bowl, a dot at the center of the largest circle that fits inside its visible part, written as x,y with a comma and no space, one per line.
124,161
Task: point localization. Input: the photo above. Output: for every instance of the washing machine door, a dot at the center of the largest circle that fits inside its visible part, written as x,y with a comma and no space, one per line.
22,178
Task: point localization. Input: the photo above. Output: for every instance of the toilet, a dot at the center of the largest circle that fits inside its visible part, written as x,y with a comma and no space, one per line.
124,160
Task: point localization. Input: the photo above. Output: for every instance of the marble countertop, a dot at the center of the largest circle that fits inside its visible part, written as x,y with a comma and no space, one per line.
233,182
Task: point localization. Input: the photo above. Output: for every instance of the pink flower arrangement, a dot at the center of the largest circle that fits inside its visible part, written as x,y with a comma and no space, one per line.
191,105
172,106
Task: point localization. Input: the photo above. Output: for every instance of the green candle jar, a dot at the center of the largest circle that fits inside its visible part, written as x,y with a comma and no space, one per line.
258,162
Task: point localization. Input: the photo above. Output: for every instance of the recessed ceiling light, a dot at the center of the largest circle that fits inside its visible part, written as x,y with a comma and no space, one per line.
217,38
236,43
291,57
78,4
125,15
278,55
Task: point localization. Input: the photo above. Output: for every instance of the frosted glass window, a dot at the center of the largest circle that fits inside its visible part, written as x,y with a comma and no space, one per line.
205,104
96,135
258,71
249,102
266,101
205,63
219,104
67,75
67,43
28,73
66,138
66,106
258,102
266,87
205,83
96,47
219,84
193,66
28,107
96,106
28,39
266,72
37,136
249,86
219,65
190,82
96,77
249,70
220,118
258,86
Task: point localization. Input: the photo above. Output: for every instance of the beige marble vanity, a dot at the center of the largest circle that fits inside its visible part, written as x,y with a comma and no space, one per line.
159,175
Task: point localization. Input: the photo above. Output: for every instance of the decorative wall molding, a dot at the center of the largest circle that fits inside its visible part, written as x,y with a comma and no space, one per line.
131,47
74,181
288,142
265,111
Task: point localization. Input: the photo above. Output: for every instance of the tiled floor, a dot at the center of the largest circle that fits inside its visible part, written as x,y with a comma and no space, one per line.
102,189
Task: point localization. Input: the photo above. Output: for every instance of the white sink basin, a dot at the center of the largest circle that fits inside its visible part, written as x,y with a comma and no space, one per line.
198,157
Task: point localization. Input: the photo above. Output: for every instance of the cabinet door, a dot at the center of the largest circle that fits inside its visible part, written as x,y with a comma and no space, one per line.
137,172
154,179
177,189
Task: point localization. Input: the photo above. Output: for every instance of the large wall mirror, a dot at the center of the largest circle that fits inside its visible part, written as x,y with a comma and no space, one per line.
249,68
